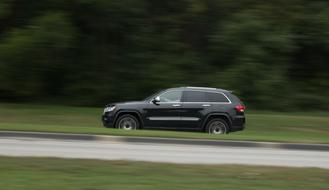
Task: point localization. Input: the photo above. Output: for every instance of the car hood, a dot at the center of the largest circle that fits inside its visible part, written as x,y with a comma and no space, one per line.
126,103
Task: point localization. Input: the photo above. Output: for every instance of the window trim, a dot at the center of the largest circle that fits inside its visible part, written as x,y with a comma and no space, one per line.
229,101
166,91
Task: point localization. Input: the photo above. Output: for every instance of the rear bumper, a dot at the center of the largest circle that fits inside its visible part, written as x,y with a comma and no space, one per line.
238,123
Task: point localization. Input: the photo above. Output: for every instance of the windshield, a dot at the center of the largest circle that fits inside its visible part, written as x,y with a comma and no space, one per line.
151,96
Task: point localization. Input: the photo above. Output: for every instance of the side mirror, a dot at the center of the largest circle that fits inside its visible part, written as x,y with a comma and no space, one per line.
156,100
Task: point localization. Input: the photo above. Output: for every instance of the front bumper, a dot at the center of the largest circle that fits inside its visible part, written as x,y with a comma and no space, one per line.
108,119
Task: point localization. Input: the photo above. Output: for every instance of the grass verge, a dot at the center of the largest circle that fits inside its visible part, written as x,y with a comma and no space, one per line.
261,126
73,174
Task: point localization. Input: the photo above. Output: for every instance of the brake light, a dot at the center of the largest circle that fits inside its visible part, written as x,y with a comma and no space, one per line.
240,108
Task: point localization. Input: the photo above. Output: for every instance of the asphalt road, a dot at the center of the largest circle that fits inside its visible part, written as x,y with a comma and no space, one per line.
191,154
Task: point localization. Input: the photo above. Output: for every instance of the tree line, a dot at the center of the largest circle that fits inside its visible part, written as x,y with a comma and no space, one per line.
273,54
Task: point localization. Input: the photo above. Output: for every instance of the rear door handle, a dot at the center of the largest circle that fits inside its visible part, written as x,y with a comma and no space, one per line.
176,105
206,105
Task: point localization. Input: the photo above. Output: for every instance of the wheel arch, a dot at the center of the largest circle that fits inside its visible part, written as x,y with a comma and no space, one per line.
211,116
134,113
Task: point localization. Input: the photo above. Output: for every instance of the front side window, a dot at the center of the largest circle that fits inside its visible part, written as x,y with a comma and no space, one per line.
171,96
195,96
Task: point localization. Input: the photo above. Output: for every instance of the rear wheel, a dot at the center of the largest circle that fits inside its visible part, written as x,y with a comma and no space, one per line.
217,126
127,122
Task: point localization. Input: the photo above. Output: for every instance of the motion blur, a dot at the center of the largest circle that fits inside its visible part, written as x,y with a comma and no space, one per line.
62,61
273,54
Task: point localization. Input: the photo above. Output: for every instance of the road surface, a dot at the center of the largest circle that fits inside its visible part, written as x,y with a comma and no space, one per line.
189,154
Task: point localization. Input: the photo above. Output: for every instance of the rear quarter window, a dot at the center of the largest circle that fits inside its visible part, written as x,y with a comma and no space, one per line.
216,97
234,98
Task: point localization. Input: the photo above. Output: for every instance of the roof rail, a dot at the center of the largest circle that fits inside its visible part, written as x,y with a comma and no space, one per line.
206,88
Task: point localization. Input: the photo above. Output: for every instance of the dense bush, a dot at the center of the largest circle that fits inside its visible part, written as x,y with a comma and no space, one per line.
274,54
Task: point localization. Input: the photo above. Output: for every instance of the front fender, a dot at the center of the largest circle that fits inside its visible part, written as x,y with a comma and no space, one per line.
129,111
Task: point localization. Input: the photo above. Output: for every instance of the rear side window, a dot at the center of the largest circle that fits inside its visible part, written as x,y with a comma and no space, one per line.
194,96
216,97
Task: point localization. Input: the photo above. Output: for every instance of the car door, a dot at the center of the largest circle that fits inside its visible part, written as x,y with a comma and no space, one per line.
195,108
166,112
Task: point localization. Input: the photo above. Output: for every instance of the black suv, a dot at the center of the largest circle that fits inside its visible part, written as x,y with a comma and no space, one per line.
212,110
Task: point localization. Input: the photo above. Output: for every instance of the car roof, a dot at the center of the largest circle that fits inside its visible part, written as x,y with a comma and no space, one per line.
200,88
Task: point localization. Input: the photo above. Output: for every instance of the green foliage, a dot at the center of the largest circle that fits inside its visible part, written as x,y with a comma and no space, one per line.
273,54
30,173
4,6
29,56
305,127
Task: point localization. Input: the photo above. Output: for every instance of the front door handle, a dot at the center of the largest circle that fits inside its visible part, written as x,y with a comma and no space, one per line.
206,105
176,105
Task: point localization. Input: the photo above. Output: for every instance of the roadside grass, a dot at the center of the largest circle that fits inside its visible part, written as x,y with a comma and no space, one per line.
310,127
76,174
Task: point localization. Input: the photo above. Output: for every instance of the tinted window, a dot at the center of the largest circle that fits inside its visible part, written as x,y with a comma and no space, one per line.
195,96
171,96
216,97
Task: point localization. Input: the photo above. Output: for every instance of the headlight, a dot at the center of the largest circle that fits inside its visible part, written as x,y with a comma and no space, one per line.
109,109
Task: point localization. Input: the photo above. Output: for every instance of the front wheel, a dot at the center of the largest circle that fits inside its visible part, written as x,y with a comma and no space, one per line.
127,122
217,127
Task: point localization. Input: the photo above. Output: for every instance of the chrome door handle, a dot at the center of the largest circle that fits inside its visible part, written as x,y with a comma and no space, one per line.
176,105
206,105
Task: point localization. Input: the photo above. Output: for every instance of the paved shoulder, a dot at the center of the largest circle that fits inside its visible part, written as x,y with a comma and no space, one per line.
155,152
225,143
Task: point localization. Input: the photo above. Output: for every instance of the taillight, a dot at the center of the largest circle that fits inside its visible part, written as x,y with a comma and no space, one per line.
240,108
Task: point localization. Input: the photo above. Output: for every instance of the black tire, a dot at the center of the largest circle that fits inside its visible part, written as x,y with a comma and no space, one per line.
127,122
217,126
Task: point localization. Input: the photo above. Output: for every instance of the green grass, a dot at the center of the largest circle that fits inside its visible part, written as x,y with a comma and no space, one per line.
73,174
261,126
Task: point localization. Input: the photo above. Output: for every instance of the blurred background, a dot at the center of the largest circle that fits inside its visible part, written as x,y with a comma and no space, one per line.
61,61
273,54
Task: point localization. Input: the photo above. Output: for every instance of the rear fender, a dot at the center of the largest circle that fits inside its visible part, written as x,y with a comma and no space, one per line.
224,116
